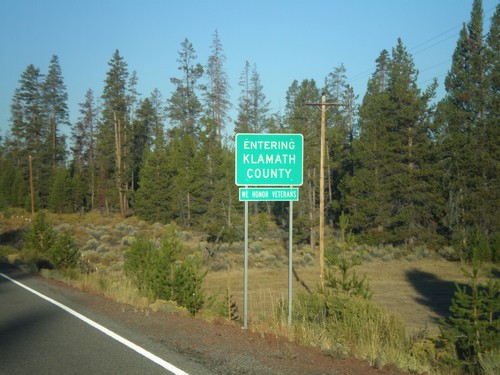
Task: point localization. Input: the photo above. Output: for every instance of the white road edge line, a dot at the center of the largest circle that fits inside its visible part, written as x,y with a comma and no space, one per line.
104,330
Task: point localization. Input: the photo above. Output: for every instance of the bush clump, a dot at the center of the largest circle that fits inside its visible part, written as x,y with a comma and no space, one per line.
157,271
47,248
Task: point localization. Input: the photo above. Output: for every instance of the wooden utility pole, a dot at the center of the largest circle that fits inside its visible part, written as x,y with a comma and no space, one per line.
323,106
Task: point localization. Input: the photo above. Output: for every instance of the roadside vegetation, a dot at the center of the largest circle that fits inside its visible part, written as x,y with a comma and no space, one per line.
163,267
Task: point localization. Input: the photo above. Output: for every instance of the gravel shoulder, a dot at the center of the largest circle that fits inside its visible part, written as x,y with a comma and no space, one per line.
220,346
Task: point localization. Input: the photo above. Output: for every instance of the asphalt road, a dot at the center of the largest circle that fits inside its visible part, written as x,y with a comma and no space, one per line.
40,337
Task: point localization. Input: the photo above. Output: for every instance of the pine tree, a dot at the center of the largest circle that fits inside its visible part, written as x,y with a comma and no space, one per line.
148,122
114,131
184,107
64,253
84,146
493,129
259,108
221,220
133,154
55,99
467,145
30,133
20,189
364,195
7,183
188,291
242,124
412,196
338,138
151,201
151,267
27,127
189,178
61,194
474,322
217,94
40,237
253,107
390,195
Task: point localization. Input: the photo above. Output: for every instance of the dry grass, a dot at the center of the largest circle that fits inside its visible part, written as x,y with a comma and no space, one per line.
419,291
411,284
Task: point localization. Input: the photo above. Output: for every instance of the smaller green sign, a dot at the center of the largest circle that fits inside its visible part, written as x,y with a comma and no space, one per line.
269,194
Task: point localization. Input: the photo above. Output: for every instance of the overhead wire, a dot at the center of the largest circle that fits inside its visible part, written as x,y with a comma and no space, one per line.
418,50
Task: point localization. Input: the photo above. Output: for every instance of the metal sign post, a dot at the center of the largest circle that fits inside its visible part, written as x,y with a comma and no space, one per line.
290,263
269,160
245,277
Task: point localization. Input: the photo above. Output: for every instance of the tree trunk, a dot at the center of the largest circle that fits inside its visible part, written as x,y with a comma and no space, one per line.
119,164
54,141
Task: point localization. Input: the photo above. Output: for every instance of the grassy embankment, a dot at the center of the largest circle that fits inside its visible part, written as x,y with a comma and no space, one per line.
414,288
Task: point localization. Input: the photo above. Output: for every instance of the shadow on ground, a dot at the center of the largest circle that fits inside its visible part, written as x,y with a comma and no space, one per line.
11,237
434,292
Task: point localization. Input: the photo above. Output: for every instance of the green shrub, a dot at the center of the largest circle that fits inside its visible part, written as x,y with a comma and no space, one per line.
6,250
64,253
228,308
188,283
474,322
340,275
47,248
40,237
155,271
151,266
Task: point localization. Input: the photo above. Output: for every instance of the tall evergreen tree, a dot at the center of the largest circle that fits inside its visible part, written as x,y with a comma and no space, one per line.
149,122
151,201
29,133
253,107
113,132
27,126
259,109
61,194
184,107
413,200
389,194
84,145
469,167
338,137
221,220
365,197
55,99
189,175
217,94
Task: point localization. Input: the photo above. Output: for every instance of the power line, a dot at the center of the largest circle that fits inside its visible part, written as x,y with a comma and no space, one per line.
366,72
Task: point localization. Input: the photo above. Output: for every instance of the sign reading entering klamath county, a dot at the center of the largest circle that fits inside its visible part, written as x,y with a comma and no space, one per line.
269,159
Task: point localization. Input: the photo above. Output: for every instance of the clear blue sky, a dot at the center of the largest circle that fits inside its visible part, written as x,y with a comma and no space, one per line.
287,40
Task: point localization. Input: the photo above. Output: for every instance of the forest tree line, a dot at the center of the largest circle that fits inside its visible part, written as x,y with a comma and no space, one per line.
406,169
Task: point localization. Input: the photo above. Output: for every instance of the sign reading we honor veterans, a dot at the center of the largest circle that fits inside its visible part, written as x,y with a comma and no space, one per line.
269,194
269,159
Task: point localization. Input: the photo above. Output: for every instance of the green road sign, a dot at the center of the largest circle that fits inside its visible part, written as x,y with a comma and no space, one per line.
269,159
269,194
